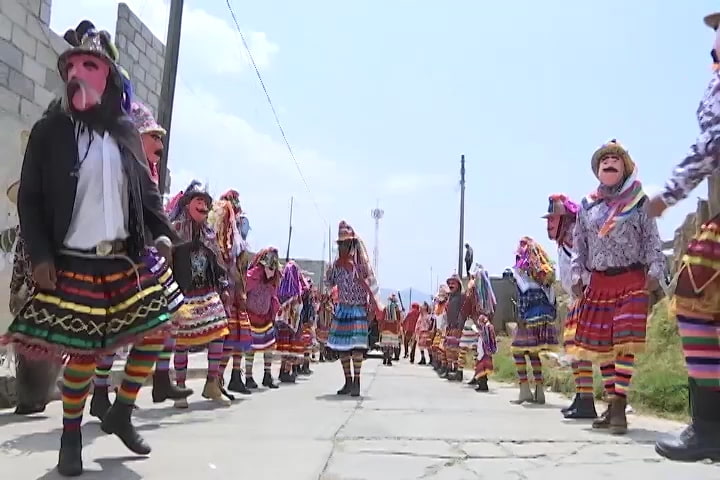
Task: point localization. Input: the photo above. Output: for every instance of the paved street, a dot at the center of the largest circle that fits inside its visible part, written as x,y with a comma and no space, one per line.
408,425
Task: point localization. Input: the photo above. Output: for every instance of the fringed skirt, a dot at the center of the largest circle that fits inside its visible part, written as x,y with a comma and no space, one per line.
484,366
570,328
303,340
285,339
202,319
469,337
263,332
696,304
612,316
389,333
98,306
348,329
536,331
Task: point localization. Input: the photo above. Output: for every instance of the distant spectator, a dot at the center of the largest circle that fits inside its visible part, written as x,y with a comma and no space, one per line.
468,258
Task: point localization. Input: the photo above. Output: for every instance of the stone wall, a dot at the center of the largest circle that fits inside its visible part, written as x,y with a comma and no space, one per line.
142,55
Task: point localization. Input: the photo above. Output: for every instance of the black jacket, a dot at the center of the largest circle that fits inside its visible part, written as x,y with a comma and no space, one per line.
48,185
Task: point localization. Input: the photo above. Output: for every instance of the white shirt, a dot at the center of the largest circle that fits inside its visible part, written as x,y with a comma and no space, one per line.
564,258
101,203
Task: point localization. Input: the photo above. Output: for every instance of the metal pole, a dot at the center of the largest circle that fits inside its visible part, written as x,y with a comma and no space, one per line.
287,254
462,215
167,93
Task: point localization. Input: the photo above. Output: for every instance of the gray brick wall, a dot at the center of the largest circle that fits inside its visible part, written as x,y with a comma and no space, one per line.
142,54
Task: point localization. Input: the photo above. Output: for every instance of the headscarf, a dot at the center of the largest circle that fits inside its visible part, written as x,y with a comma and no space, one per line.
484,293
533,260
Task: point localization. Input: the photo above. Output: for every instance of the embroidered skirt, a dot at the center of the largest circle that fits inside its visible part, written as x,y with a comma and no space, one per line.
536,331
321,334
570,327
425,339
484,366
469,337
303,340
389,333
98,306
239,339
348,329
285,338
202,318
612,316
263,331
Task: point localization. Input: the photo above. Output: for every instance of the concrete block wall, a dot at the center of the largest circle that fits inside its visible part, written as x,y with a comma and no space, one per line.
142,54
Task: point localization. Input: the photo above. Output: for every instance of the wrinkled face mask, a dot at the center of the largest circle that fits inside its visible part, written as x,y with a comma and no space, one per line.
611,171
153,147
87,77
453,286
198,209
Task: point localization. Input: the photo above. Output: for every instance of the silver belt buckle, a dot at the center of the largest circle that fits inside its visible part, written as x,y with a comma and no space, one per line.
104,248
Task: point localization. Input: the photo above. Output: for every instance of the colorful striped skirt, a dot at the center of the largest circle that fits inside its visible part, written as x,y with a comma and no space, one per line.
696,304
570,327
469,337
452,338
348,329
285,335
98,306
263,332
536,331
612,316
425,339
484,366
303,341
239,339
201,319
321,334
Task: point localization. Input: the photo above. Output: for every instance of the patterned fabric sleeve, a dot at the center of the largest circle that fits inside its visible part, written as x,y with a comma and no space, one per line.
652,246
21,274
330,280
580,252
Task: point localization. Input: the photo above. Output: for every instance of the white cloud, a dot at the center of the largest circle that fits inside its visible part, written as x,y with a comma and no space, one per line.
411,182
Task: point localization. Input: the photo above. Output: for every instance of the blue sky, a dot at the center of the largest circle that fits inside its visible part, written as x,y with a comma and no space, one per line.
380,98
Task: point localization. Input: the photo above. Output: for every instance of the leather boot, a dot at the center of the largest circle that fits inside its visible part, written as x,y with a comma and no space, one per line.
347,388
163,389
604,421
306,368
355,389
618,420
571,406
700,439
422,359
473,381
70,457
539,394
250,382
286,377
117,421
268,381
99,403
213,391
584,408
236,383
482,385
525,395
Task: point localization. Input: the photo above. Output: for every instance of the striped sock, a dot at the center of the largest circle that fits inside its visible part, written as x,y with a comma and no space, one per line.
267,360
76,386
237,358
163,361
138,367
102,371
624,366
225,359
521,367
536,366
249,361
181,365
345,362
584,378
607,370
214,355
357,360
701,347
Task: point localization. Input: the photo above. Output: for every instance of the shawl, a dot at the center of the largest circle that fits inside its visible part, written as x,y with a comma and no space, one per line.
533,260
485,296
622,203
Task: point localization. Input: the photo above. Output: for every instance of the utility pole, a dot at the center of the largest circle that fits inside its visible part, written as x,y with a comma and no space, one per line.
462,215
167,92
287,254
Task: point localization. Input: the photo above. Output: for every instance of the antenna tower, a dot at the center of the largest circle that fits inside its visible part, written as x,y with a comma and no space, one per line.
377,214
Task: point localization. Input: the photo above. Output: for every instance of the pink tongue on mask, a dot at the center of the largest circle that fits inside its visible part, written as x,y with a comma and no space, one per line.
92,74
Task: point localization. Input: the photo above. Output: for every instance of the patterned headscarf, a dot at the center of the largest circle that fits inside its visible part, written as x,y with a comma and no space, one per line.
484,293
291,284
533,260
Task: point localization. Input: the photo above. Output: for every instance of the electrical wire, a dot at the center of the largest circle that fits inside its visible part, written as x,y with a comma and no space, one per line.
274,112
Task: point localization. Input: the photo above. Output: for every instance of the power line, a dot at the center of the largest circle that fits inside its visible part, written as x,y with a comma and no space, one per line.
272,107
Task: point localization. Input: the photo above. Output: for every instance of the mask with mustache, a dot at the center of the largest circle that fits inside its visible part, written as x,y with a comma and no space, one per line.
611,171
153,147
198,209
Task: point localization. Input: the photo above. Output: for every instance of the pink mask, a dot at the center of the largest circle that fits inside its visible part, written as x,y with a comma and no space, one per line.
153,146
87,77
198,209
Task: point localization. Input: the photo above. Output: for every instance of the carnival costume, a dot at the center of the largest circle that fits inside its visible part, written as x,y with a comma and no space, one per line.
482,303
324,317
438,344
409,324
389,325
263,278
456,316
85,232
151,135
696,302
232,227
202,320
561,216
536,332
618,243
423,333
304,339
357,292
290,295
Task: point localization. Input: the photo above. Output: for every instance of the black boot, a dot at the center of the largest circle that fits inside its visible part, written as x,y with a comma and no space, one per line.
286,377
99,403
70,458
700,439
571,406
236,384
347,388
322,356
250,382
118,421
422,360
473,381
482,385
583,408
355,390
163,389
306,368
268,381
